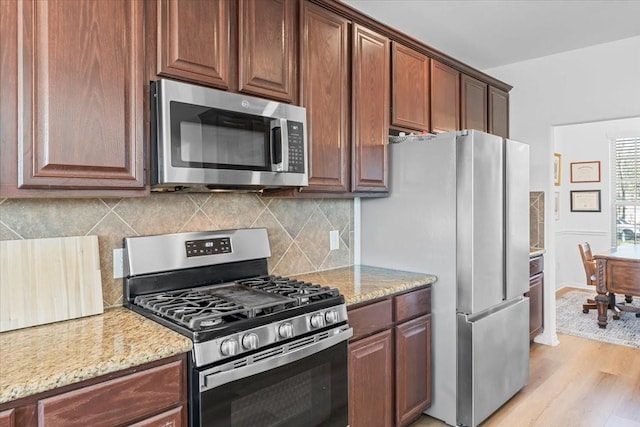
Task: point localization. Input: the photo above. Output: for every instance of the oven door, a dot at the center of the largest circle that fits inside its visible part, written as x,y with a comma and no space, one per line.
302,383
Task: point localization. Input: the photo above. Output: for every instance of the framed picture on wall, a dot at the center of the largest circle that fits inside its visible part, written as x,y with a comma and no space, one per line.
585,171
585,201
557,168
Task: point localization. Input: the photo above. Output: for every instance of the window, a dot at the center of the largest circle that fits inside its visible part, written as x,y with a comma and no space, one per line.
627,190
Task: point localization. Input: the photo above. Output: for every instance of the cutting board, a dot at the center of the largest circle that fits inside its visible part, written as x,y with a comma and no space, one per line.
48,280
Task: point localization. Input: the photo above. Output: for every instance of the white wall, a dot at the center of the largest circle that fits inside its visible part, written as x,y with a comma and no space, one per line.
593,84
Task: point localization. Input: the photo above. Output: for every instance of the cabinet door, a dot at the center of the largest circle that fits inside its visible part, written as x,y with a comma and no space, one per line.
410,88
498,112
371,69
194,41
267,60
445,98
473,103
413,369
7,418
325,94
20,416
536,307
80,98
371,381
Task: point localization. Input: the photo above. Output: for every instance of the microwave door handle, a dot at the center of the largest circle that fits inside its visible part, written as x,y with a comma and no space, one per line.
279,145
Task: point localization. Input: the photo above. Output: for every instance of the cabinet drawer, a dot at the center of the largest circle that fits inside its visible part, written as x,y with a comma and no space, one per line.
370,318
536,265
116,401
412,304
172,418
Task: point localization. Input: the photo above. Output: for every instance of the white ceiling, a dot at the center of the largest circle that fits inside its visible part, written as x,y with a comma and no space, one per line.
490,33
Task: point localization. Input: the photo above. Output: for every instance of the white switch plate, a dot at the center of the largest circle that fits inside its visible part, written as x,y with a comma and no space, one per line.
117,263
334,240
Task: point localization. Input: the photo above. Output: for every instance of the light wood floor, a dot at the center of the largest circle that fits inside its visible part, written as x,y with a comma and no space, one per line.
578,383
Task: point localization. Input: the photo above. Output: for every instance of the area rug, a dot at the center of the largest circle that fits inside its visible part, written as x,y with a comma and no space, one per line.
571,320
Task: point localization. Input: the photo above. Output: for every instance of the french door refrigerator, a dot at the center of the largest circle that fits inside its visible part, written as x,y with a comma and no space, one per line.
459,208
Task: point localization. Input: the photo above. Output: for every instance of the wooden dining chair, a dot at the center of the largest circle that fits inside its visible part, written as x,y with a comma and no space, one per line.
590,270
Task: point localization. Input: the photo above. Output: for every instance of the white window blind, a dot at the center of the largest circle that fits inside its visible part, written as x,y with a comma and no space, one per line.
627,190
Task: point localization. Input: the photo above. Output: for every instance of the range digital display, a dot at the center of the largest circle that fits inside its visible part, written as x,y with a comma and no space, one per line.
208,247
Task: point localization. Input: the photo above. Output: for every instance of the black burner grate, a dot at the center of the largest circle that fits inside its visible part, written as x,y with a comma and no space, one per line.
203,307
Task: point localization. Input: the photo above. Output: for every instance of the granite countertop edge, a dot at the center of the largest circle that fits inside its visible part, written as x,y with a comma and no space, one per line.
42,358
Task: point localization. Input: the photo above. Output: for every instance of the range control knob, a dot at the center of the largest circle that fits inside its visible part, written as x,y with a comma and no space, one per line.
331,316
229,347
285,330
250,341
317,320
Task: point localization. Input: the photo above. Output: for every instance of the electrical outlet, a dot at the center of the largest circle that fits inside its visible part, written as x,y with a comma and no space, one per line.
334,240
117,263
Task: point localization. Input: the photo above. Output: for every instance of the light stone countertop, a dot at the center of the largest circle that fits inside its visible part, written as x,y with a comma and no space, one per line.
361,283
41,358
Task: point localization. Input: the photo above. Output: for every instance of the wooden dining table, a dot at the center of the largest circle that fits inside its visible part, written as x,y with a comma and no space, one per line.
617,273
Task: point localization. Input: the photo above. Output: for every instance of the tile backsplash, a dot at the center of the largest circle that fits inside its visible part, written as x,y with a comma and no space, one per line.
536,219
298,229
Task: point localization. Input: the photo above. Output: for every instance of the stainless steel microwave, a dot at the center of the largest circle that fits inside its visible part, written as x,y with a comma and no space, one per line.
206,139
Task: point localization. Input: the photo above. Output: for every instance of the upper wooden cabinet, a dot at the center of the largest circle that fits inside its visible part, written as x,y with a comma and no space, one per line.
345,157
409,88
73,98
498,112
473,103
445,98
194,41
267,40
325,94
371,68
202,41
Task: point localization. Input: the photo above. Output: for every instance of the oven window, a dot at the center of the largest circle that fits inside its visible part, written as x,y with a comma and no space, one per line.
309,392
211,138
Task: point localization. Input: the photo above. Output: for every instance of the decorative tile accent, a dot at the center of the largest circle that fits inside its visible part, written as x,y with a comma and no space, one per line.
536,219
298,229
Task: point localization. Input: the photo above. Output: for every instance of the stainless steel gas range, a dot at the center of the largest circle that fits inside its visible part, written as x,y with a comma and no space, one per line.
267,350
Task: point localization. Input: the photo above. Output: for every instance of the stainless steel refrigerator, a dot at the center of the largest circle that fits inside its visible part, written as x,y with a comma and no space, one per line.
459,209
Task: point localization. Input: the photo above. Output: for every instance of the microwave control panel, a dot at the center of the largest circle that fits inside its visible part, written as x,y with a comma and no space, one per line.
296,146
208,247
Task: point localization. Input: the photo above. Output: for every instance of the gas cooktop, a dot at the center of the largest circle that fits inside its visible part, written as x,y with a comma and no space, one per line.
214,287
203,307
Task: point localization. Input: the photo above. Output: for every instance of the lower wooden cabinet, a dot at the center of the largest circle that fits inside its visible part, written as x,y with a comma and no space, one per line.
413,369
371,380
535,294
7,418
150,395
390,360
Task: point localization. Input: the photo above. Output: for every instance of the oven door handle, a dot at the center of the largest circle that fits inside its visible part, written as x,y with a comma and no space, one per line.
223,374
